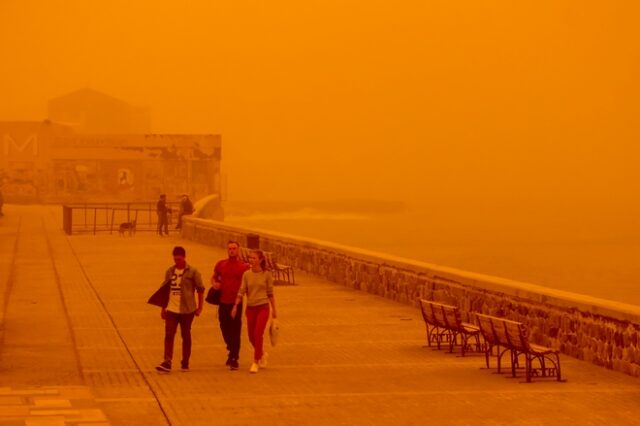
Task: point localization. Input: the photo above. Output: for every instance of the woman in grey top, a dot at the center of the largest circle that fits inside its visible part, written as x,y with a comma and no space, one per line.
257,285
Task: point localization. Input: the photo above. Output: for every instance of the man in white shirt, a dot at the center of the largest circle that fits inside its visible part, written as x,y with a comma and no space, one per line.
183,281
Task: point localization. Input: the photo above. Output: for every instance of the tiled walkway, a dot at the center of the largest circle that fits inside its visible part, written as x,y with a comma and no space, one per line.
49,406
344,358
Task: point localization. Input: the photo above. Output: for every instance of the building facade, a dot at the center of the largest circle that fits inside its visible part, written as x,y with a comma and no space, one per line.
50,162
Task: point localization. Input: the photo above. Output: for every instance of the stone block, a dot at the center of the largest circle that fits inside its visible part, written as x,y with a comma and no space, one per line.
11,400
587,354
14,411
617,352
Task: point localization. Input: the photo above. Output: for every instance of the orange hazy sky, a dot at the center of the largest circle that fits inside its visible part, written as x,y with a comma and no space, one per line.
363,99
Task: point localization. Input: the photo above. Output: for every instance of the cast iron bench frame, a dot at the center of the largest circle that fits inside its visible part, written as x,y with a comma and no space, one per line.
513,336
444,323
281,272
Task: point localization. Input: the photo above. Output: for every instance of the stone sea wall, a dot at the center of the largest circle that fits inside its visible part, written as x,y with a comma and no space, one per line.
602,332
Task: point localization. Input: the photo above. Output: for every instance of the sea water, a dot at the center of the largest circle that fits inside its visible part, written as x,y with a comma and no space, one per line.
587,249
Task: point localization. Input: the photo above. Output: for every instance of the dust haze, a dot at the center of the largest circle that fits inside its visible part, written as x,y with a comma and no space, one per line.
325,100
495,112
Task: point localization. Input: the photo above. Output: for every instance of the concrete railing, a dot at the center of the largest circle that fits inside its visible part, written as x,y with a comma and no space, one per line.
603,332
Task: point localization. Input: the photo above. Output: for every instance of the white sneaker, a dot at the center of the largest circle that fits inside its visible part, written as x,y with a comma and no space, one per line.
263,361
254,368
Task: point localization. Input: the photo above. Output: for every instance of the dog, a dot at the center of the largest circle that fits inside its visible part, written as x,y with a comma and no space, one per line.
129,227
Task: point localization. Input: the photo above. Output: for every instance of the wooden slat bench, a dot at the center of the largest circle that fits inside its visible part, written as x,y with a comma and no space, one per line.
243,254
513,337
490,339
436,333
282,272
447,324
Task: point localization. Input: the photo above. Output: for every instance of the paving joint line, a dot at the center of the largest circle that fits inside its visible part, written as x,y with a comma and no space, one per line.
56,273
115,327
10,278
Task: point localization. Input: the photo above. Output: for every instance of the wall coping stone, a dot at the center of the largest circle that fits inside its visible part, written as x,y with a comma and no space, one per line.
536,293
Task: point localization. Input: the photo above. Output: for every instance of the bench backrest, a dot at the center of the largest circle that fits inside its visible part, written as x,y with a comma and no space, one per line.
243,253
270,260
427,313
504,332
441,315
517,335
486,329
452,317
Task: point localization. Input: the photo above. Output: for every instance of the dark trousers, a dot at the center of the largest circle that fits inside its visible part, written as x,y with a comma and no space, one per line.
231,328
163,223
170,326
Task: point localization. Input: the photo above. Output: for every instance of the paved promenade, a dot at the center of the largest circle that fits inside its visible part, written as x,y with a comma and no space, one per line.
78,345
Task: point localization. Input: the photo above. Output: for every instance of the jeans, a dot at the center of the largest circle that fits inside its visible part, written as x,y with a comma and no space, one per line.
170,326
163,223
231,328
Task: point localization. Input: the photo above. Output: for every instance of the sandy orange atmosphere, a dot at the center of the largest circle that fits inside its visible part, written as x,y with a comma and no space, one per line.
497,99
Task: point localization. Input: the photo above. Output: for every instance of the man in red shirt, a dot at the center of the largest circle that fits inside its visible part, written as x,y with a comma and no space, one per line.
227,276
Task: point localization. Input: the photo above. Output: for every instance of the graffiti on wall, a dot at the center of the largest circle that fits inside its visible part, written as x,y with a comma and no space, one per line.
11,146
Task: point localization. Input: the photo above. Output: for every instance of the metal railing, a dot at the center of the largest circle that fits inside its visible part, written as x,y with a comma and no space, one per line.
107,217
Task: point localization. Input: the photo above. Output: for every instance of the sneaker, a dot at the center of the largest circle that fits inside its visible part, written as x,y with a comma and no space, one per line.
184,366
164,367
254,368
263,361
233,364
228,363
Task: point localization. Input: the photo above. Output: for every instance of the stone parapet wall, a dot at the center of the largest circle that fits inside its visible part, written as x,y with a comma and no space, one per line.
603,332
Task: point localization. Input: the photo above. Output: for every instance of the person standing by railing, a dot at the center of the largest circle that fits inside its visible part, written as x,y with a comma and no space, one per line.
257,285
163,215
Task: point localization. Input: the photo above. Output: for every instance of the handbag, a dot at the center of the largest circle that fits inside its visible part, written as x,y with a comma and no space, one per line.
213,296
274,330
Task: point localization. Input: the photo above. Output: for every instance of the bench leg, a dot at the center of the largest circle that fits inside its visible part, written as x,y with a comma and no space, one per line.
558,377
453,341
487,354
500,355
463,343
514,362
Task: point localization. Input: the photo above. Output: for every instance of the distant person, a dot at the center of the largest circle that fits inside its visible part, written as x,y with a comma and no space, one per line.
163,215
257,285
1,202
177,298
186,208
227,277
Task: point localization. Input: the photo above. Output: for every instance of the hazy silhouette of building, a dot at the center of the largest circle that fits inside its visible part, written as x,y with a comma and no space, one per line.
90,111
43,161
95,147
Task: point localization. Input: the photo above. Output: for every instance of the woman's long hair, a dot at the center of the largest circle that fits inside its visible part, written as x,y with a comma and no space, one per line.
263,261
